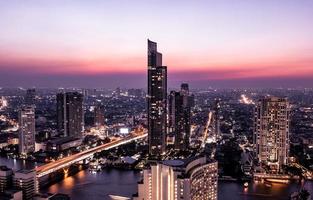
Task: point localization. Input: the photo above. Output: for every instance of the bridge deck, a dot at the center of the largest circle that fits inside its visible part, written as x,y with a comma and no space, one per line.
67,161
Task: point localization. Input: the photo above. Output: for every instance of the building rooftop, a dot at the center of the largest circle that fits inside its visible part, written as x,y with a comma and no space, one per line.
62,140
4,168
174,163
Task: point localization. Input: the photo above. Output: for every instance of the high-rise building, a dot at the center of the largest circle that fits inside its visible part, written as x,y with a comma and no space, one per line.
26,121
99,116
216,119
271,131
5,178
26,181
179,119
30,97
176,179
157,101
70,114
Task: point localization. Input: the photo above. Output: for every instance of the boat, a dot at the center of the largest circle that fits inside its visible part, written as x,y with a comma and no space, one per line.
116,197
94,166
273,180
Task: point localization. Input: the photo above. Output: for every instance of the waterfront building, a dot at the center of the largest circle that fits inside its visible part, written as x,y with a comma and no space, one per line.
26,121
26,181
70,120
193,179
271,131
5,178
157,101
62,144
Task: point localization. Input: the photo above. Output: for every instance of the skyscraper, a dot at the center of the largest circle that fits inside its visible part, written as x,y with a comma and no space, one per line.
271,131
70,114
99,115
216,119
177,179
157,100
30,97
26,121
179,118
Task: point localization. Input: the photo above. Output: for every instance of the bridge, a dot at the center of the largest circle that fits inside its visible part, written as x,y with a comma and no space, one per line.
68,161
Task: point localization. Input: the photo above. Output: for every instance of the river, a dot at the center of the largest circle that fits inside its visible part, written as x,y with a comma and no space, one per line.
89,186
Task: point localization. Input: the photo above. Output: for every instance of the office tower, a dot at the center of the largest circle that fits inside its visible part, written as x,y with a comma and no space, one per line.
271,131
179,119
30,97
26,121
99,116
26,181
70,114
157,101
5,178
176,179
216,119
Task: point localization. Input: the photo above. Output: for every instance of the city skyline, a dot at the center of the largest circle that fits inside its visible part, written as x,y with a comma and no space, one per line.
76,44
156,100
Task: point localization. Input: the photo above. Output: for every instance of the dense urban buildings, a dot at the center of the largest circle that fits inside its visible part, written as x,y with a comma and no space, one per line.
157,101
70,119
194,179
90,109
271,131
26,121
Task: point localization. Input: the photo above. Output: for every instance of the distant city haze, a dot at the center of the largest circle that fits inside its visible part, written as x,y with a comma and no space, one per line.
102,44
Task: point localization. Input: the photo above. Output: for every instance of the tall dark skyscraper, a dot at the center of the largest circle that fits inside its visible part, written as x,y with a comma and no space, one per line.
70,114
216,119
179,117
30,97
157,100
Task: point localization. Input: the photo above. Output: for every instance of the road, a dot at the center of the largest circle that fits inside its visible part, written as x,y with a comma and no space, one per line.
67,161
206,129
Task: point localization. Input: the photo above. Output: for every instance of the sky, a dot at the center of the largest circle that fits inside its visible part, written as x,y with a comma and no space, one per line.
97,43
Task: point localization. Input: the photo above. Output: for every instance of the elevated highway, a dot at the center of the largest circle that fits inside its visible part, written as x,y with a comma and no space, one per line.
67,161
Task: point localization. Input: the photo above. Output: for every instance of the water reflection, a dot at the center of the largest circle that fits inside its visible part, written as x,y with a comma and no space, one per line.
89,186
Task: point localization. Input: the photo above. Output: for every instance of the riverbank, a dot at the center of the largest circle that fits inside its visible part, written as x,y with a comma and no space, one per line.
111,181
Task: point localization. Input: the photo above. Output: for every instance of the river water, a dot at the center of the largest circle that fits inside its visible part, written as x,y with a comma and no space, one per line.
89,186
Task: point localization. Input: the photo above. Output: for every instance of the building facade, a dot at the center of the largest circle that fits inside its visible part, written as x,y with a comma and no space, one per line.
6,175
271,131
26,121
180,180
157,101
70,120
99,116
30,97
26,181
179,117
